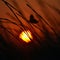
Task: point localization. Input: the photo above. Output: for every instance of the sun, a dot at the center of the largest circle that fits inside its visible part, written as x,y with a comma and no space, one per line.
26,36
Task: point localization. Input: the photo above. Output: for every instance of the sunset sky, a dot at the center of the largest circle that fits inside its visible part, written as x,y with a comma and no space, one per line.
48,9
21,34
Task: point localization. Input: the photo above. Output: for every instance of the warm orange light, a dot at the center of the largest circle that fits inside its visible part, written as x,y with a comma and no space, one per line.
26,36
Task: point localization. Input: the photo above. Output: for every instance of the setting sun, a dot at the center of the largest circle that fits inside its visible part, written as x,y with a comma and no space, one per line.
26,36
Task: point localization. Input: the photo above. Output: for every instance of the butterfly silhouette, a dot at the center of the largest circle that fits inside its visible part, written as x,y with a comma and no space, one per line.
32,19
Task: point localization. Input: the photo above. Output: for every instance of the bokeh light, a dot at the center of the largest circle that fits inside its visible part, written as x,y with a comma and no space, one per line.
26,36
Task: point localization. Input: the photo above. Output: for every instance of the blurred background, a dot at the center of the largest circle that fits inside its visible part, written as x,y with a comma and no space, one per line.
41,18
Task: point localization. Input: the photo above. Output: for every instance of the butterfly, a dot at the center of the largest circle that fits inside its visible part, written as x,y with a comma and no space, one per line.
32,19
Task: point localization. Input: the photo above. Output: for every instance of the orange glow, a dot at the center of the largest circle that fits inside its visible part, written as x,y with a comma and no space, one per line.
26,36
